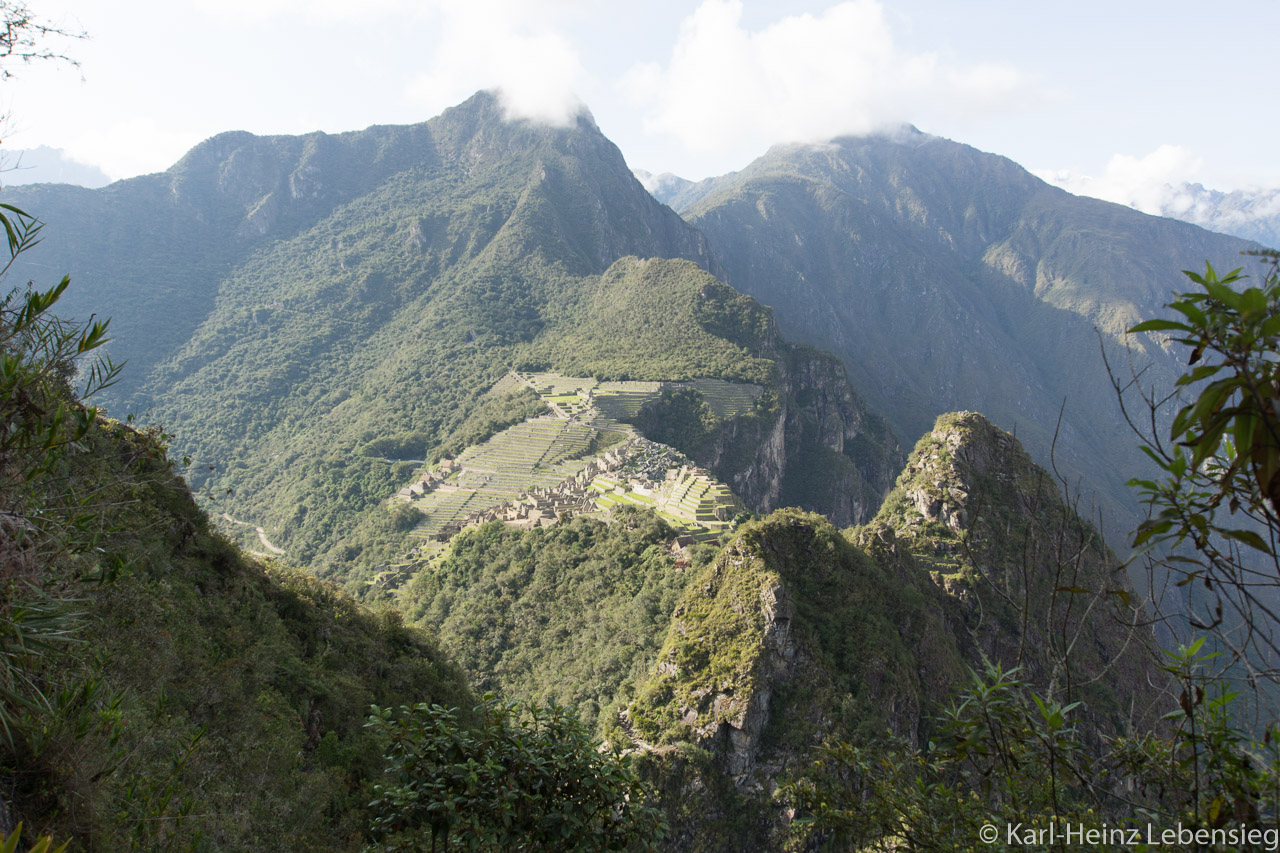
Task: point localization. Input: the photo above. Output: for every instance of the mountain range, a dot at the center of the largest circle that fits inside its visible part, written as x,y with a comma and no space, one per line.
322,324
45,165
315,309
1253,214
991,290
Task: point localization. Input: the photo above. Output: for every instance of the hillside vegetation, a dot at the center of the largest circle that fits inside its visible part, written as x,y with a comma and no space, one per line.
574,613
158,689
359,314
948,279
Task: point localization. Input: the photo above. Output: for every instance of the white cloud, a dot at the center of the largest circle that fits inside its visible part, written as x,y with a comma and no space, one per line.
324,11
1153,184
804,78
503,44
135,146
510,45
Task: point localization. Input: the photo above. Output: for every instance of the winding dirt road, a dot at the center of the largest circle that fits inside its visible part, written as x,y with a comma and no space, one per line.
262,534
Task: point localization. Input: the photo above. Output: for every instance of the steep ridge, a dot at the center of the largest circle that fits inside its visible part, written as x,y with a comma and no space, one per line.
194,698
1034,582
946,279
797,633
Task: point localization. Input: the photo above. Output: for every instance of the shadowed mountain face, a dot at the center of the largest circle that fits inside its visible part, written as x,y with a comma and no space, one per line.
947,279
287,302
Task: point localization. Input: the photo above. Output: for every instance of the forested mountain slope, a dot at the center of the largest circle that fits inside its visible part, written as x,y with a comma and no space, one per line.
158,690
156,251
947,279
346,303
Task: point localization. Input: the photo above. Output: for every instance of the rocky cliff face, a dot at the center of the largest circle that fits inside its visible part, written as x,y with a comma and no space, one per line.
821,448
842,456
755,477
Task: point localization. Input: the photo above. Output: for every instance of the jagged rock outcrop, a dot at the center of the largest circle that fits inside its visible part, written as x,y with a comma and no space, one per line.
824,451
1034,584
798,633
792,622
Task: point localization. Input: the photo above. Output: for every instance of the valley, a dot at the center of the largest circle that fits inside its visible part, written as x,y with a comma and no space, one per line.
798,475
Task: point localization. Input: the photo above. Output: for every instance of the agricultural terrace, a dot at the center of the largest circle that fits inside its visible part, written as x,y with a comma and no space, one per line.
616,403
547,450
537,453
688,500
726,399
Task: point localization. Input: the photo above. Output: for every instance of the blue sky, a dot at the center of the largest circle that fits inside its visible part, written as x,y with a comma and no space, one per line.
1132,93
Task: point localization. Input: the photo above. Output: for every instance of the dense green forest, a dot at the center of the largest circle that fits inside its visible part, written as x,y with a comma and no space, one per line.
614,587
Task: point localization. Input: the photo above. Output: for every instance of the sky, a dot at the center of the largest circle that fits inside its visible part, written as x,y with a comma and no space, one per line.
1115,98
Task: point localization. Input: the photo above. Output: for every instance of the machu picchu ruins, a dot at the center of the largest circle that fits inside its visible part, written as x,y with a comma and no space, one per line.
582,456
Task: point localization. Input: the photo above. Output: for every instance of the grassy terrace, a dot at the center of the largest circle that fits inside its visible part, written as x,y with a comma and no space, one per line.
537,453
620,401
508,384
689,504
546,450
727,399
610,499
554,384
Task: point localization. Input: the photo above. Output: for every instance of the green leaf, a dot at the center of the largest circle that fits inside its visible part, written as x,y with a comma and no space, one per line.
1161,326
1250,538
1202,372
1194,314
1223,294
1253,301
